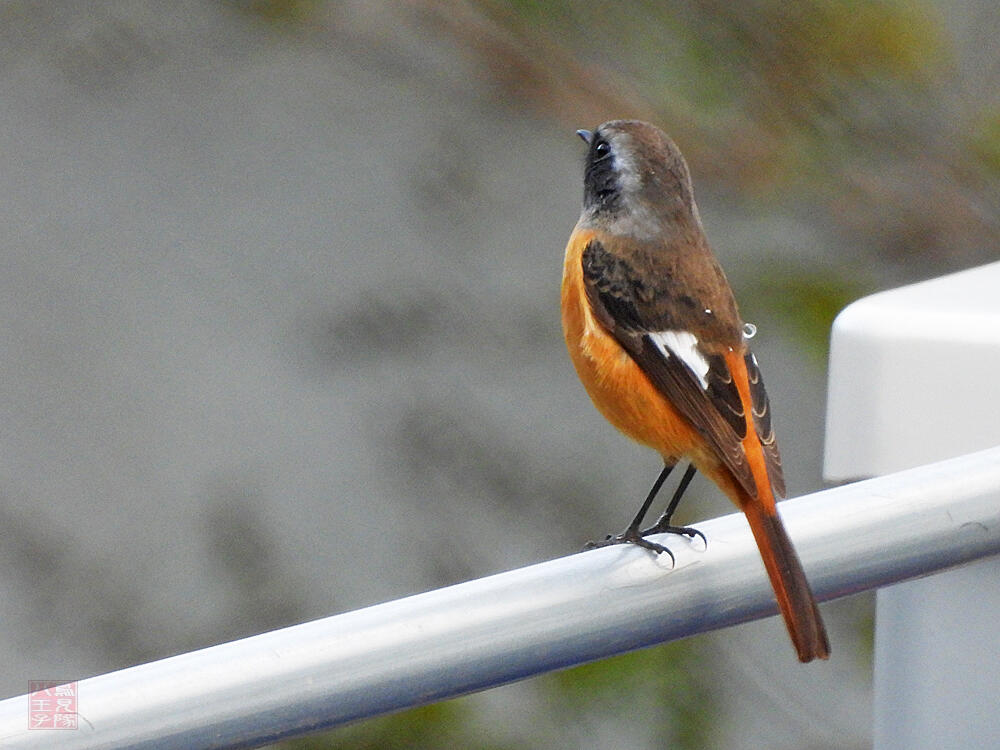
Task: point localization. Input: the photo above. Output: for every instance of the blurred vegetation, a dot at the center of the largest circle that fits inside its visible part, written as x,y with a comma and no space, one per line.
805,299
852,109
656,688
282,11
985,141
448,724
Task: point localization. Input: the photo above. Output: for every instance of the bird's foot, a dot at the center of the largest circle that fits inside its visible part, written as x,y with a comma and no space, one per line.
687,531
632,536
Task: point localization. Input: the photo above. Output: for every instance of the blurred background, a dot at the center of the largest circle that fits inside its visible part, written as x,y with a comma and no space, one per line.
280,304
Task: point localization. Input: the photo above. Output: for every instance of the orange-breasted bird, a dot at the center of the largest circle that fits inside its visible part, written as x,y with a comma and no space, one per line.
653,330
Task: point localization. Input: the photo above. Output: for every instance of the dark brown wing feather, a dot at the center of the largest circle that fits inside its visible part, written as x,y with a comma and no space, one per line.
631,312
761,407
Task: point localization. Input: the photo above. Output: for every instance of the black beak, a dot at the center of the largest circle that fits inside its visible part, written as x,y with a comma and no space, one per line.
586,135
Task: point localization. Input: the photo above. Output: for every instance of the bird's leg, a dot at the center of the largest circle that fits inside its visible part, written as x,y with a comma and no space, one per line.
632,535
663,526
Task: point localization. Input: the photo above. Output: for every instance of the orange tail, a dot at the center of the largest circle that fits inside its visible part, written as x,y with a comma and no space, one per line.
795,598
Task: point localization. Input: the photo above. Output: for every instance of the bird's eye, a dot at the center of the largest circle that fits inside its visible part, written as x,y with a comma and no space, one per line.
602,148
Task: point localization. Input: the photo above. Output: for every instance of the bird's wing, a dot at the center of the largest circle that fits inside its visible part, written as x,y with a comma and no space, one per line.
693,375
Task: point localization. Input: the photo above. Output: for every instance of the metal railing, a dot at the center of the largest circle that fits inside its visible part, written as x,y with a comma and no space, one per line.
525,622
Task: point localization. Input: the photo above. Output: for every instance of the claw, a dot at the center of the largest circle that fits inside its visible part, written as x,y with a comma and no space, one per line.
688,531
632,536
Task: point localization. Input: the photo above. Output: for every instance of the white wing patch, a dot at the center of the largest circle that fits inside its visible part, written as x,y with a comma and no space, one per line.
683,345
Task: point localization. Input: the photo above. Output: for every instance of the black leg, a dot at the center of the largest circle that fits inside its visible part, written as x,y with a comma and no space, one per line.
637,521
663,526
631,535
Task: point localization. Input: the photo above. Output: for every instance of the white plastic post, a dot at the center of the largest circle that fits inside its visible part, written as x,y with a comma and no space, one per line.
914,379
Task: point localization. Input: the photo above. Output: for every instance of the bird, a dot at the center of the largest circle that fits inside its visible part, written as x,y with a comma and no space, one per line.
654,332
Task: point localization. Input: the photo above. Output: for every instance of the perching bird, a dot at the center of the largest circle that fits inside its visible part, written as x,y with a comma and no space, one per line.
654,332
